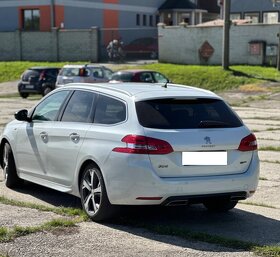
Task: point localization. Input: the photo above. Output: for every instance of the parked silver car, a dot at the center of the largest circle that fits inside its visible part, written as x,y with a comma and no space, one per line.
88,73
133,144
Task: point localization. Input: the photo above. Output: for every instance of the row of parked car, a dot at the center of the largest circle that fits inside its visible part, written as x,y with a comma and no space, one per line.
43,80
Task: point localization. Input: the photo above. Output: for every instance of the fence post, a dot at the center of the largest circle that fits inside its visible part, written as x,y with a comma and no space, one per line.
18,45
94,44
55,44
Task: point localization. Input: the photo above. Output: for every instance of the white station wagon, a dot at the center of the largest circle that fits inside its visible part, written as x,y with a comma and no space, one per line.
133,144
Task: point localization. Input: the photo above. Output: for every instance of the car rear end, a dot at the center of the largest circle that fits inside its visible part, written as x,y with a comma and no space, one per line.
192,149
34,80
30,81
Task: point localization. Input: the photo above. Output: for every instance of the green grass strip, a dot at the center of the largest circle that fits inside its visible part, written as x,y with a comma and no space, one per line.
7,235
68,211
270,148
259,204
271,251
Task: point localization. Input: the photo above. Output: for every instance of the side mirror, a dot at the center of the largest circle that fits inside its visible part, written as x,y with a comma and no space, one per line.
22,115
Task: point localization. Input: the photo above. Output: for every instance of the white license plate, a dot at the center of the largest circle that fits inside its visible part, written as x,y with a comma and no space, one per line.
204,158
66,81
29,86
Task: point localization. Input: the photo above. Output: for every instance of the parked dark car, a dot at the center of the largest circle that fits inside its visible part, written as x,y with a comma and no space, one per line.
146,46
147,76
37,80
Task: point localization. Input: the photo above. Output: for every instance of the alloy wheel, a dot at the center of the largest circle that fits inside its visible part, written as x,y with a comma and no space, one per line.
91,192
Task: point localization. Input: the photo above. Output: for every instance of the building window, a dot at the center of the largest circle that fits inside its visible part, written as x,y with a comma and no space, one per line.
144,20
138,19
31,19
254,17
151,23
270,17
235,16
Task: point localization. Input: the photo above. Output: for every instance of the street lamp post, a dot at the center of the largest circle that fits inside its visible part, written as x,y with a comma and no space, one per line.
276,3
226,34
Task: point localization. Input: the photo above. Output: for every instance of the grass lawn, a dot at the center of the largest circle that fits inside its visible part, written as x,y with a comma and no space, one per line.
209,77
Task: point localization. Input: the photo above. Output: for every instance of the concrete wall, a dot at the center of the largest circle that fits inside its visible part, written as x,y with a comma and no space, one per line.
181,44
57,45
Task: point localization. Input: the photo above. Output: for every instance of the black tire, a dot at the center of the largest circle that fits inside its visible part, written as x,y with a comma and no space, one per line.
23,95
220,205
46,90
9,167
94,197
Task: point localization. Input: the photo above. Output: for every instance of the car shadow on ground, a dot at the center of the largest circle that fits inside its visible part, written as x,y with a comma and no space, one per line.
236,224
49,196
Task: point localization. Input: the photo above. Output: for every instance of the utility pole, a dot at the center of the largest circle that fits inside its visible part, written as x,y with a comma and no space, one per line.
226,34
276,3
52,13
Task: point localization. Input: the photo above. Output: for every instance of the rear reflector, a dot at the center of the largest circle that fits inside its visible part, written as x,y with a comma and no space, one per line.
149,198
248,143
136,144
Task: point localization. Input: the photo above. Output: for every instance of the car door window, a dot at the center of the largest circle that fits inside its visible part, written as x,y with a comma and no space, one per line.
97,73
109,111
159,78
48,109
146,77
79,108
107,74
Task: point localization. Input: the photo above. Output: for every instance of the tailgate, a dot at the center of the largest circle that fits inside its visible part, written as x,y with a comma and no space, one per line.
201,152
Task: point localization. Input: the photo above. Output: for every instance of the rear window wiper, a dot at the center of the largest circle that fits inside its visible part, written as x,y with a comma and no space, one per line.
213,124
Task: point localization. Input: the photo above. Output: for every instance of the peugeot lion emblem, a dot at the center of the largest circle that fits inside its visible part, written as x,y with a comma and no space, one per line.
207,141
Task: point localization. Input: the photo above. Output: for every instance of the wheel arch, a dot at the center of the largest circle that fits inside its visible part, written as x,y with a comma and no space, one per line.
87,162
2,144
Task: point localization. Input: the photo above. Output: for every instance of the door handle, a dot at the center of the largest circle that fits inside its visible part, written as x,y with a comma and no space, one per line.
75,137
44,137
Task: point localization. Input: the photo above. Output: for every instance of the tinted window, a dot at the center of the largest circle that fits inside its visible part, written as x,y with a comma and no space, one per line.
30,73
186,114
52,72
109,111
48,109
125,77
146,77
79,108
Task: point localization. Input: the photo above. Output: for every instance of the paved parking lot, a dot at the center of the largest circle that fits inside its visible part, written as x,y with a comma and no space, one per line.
255,220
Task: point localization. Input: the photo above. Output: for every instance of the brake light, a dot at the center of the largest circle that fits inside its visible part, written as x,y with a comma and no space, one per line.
42,75
248,143
136,144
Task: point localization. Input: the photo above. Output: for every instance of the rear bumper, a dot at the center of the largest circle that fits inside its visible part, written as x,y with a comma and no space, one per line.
192,199
135,183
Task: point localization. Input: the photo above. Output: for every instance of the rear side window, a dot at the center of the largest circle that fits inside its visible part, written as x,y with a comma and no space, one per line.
186,114
74,72
79,108
109,110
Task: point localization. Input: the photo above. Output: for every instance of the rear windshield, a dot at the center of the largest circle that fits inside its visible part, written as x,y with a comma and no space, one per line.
125,77
186,114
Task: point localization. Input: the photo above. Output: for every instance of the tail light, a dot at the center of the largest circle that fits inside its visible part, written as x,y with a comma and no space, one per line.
42,75
136,144
248,143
